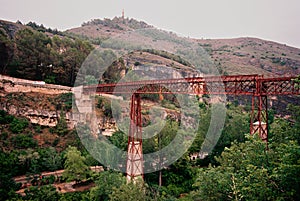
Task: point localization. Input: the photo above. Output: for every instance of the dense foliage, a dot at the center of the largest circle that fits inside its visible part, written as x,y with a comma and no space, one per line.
32,54
75,166
249,171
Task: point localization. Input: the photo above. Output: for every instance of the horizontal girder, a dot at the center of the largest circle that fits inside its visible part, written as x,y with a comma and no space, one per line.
214,85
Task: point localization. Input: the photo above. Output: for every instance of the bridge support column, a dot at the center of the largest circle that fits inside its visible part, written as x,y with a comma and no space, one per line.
259,116
135,163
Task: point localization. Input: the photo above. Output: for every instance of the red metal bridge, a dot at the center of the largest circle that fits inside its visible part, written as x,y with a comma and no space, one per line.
252,85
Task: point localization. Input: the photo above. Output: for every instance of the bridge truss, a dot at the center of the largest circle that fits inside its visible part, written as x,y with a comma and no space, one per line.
256,86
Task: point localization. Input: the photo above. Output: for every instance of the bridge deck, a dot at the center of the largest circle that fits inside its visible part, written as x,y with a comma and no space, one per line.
214,85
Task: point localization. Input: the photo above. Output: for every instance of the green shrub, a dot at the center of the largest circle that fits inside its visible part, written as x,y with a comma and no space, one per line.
18,125
64,101
46,193
170,56
62,127
105,105
24,141
55,142
282,63
100,102
38,129
50,79
137,63
107,109
4,136
5,118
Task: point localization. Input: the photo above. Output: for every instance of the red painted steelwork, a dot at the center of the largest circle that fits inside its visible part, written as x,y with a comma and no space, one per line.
255,85
230,85
135,160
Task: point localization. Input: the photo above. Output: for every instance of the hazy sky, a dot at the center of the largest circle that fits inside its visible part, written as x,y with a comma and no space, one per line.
277,20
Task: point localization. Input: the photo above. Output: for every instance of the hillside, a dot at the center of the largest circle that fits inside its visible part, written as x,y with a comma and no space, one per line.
230,56
37,53
101,29
56,56
252,55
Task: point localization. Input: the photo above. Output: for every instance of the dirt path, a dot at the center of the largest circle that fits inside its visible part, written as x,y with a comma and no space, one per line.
60,187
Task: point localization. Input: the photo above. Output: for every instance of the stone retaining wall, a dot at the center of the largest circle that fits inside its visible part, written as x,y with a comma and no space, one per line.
11,85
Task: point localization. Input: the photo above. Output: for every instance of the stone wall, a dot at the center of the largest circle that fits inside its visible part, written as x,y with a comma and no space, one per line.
13,85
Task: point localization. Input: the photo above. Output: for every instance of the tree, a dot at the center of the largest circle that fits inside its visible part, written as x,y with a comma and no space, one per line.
249,171
105,184
18,125
74,55
6,51
61,127
179,177
90,80
295,117
130,191
30,160
235,127
96,63
158,142
5,118
297,81
75,167
32,54
23,141
75,196
44,193
50,79
8,169
50,159
119,139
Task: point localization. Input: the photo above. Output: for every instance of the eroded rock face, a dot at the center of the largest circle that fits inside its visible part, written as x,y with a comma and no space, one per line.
43,118
35,116
107,126
50,118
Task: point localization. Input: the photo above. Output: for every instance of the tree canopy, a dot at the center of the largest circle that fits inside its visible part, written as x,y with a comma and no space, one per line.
75,167
32,54
249,171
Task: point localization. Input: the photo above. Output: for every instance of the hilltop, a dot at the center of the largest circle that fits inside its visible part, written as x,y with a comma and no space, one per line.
100,29
230,56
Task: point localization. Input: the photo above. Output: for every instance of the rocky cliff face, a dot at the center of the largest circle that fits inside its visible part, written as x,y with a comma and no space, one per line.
32,100
44,104
47,116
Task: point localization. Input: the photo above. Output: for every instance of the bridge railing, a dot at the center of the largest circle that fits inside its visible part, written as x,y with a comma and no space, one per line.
214,85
